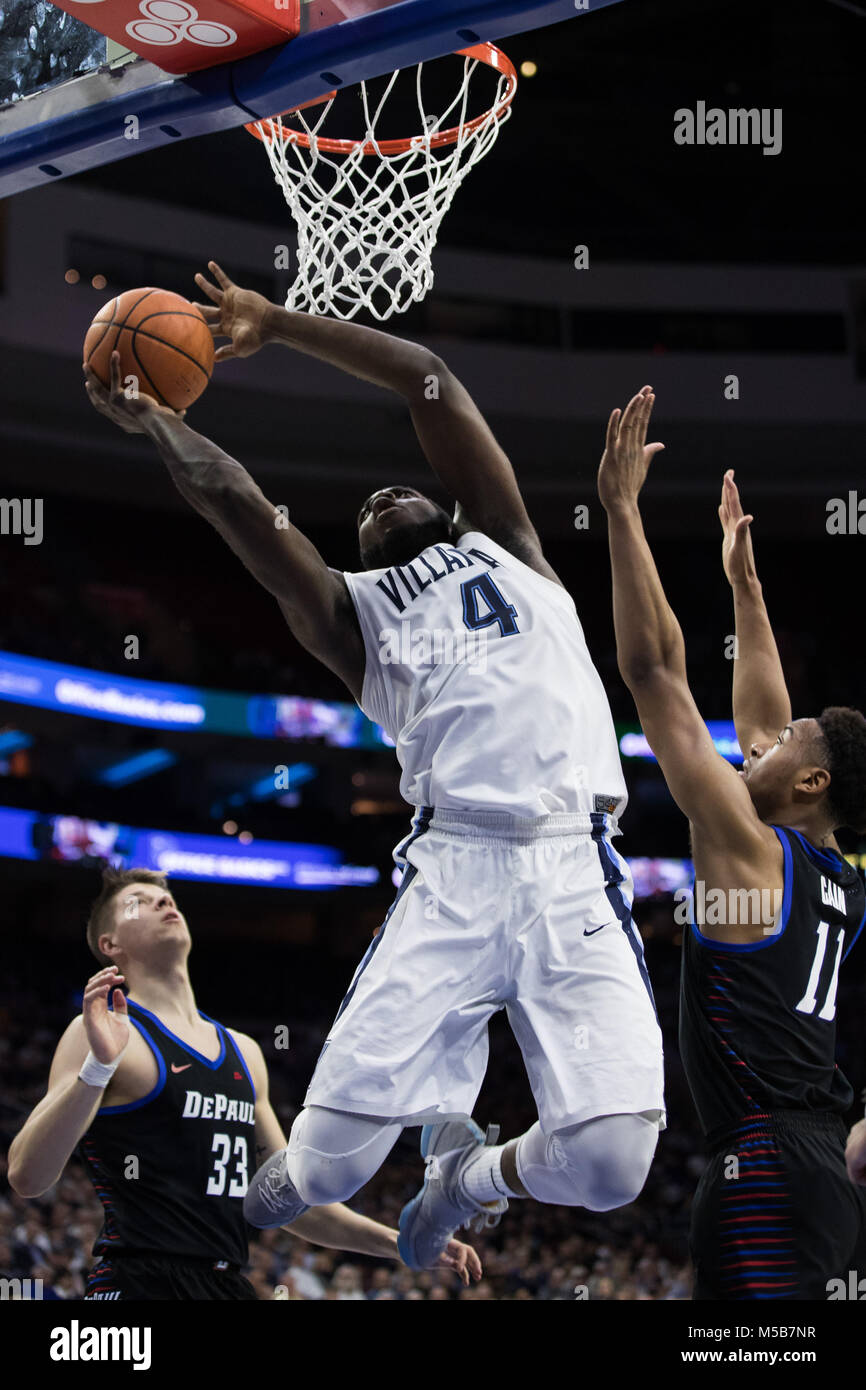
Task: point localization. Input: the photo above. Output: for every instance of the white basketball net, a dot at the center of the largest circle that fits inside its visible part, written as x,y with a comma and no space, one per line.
367,218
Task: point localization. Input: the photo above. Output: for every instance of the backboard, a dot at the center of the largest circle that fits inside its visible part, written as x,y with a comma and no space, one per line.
89,103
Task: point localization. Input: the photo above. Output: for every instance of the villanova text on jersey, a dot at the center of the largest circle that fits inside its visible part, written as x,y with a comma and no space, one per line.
527,730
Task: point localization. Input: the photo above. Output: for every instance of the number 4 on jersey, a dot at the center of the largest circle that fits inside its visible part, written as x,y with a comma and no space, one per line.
499,610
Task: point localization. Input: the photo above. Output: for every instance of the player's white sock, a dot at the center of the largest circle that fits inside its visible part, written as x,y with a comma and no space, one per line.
482,1177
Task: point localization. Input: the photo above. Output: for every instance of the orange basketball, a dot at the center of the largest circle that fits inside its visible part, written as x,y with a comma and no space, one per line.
163,342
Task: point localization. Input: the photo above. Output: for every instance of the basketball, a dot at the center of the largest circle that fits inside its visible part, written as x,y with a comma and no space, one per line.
163,342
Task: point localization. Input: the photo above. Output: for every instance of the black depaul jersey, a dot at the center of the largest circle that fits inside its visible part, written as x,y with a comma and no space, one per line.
171,1170
758,1021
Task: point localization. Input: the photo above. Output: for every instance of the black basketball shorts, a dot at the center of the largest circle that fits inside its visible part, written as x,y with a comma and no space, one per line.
122,1278
775,1215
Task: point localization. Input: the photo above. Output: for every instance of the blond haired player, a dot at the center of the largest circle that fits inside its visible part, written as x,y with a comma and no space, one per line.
169,1109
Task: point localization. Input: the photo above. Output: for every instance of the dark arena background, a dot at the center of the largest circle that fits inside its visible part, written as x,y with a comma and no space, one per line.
732,279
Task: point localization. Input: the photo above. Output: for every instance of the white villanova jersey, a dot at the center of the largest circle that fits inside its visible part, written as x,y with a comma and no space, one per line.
477,668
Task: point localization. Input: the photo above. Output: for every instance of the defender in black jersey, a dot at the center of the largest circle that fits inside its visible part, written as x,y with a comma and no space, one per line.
778,908
775,1214
171,1115
193,1137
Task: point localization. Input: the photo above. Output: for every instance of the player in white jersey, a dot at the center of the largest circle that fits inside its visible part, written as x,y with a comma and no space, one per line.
459,639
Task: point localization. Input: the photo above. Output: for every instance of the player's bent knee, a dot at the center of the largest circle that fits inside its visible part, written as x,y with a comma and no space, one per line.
600,1164
613,1159
332,1154
321,1179
612,1183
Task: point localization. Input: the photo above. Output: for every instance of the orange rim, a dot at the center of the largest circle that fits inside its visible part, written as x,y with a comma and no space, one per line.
484,52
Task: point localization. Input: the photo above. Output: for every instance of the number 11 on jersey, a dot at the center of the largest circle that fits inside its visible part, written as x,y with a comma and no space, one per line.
810,999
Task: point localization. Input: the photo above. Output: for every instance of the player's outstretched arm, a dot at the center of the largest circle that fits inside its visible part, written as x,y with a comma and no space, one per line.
464,454
313,598
762,705
455,437
251,322
651,652
337,1227
40,1151
334,1225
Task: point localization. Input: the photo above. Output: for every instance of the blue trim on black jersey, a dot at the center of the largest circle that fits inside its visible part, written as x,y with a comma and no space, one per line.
151,1095
213,1065
772,937
828,859
235,1049
614,876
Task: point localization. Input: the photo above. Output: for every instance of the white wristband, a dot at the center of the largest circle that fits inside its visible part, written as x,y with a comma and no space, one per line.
96,1073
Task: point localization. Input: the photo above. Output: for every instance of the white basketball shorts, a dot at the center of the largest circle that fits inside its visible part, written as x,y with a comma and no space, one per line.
496,911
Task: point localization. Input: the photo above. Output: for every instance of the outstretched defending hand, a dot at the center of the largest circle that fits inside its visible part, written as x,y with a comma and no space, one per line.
627,456
462,1259
737,556
107,1032
130,412
235,313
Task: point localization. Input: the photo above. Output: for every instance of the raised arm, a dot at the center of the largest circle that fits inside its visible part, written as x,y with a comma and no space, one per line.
40,1151
761,702
313,598
466,458
455,438
651,653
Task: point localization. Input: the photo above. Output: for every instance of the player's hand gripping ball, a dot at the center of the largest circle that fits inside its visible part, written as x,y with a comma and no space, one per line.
166,348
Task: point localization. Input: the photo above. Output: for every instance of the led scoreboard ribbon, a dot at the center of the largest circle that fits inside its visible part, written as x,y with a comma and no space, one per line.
26,680
206,858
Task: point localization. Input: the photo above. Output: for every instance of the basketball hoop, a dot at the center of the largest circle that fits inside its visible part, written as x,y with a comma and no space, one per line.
368,210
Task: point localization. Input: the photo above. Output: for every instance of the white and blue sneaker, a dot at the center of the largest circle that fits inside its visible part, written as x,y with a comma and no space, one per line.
272,1198
429,1221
